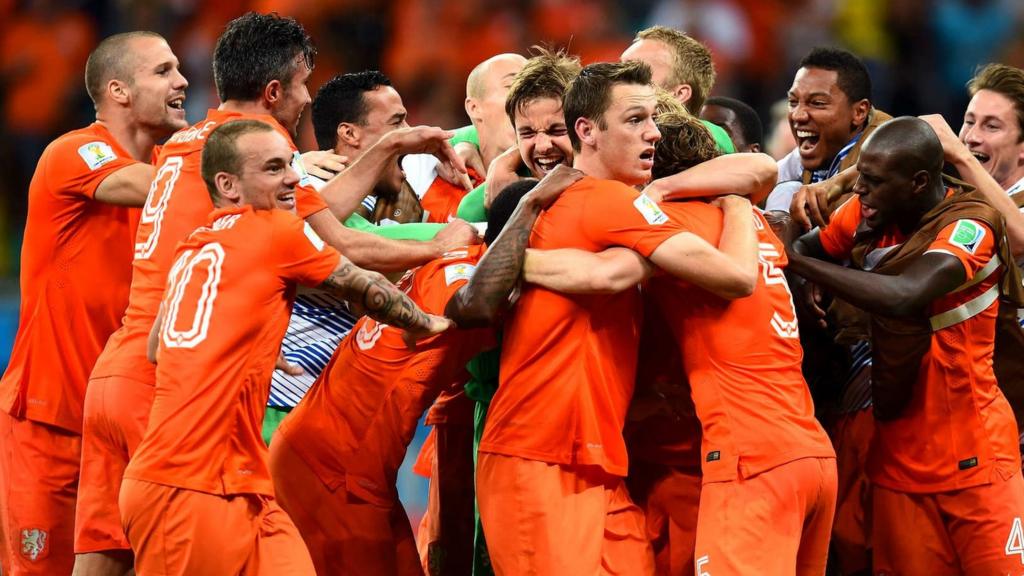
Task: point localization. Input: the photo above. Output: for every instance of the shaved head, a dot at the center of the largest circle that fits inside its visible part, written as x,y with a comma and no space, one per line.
477,84
910,144
113,59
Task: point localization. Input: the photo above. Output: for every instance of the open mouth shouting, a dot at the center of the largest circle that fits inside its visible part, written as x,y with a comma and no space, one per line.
647,158
177,104
807,141
548,163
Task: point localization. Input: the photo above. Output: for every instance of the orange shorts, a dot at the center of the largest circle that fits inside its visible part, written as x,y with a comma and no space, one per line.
542,518
179,532
344,535
777,522
974,531
116,414
669,497
851,532
38,483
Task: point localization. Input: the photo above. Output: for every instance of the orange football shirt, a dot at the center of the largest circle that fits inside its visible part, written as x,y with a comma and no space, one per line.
75,274
178,203
958,430
226,309
742,358
372,394
568,362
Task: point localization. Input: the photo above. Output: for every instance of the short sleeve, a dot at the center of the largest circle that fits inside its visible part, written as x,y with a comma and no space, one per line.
77,165
302,257
466,134
616,215
837,237
970,241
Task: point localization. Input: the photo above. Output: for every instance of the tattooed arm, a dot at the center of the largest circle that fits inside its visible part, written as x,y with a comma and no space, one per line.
381,300
485,296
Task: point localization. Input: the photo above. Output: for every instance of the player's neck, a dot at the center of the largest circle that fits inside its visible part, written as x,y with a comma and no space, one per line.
245,107
592,166
1012,178
132,137
488,150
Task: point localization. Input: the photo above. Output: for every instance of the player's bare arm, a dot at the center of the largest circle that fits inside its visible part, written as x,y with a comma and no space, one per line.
324,164
128,186
972,172
501,173
573,271
381,300
344,192
809,206
384,254
485,296
730,271
930,276
743,174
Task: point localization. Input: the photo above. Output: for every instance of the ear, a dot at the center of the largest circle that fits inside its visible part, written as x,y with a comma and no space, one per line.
921,181
273,92
585,130
227,187
349,134
683,93
860,113
472,109
755,147
117,91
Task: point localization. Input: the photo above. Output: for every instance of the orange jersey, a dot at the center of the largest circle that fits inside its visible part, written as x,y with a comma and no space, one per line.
742,358
229,297
75,274
568,362
178,203
958,430
371,395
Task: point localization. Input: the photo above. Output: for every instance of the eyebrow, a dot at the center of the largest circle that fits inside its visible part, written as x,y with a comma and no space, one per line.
634,109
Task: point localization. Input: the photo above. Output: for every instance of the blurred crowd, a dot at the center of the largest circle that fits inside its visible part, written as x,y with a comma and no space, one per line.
920,53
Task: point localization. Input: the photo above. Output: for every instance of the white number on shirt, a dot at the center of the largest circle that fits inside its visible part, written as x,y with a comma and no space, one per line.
208,259
783,321
156,203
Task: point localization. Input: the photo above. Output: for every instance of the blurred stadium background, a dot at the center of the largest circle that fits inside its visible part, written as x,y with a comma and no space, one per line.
920,53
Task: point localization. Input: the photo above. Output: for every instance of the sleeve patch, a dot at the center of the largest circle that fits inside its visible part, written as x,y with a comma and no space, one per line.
304,178
312,236
967,235
96,154
456,272
650,210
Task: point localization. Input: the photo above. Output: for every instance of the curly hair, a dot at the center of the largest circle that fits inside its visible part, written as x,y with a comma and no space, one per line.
685,142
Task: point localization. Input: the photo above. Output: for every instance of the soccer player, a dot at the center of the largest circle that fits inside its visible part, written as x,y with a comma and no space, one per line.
261,64
739,121
342,495
682,66
944,462
75,273
830,115
769,474
552,456
197,496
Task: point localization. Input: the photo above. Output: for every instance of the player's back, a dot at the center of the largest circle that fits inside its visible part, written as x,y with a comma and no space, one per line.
743,360
226,309
177,204
75,274
375,389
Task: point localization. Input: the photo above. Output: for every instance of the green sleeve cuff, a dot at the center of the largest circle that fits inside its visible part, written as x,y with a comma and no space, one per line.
466,134
411,231
471,209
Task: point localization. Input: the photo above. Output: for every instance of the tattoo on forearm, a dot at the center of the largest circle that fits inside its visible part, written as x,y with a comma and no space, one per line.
380,298
500,268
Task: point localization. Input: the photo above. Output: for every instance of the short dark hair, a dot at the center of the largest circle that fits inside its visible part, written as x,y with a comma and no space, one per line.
750,122
220,152
546,75
341,99
685,142
851,75
589,94
504,205
1005,80
256,49
111,60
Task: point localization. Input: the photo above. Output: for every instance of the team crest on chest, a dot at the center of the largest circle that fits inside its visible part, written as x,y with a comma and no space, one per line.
33,543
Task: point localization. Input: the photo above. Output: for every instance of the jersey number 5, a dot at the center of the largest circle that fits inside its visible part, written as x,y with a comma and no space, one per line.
156,203
785,326
191,292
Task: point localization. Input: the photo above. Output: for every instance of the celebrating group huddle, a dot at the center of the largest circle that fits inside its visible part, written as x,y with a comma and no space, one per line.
614,355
